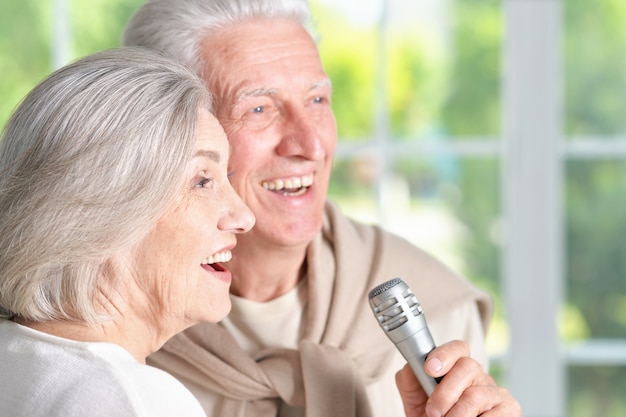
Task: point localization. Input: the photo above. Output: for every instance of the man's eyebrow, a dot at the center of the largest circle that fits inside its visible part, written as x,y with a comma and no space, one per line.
325,82
257,92
212,155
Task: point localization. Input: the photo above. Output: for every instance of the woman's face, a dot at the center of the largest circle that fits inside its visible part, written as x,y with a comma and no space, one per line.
179,266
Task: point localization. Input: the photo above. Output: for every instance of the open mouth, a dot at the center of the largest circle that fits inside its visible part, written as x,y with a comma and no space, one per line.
292,187
217,267
215,261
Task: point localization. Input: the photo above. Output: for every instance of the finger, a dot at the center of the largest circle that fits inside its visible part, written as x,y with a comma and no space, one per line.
486,401
457,388
443,358
413,395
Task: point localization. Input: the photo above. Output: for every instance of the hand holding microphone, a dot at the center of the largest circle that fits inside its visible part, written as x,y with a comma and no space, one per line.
468,389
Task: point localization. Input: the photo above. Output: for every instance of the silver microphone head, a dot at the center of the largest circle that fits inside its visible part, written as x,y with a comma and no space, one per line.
394,304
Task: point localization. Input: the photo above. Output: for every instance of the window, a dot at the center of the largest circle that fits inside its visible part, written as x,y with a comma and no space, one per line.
492,133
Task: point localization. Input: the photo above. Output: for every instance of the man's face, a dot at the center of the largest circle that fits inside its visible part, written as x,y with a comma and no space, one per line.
273,100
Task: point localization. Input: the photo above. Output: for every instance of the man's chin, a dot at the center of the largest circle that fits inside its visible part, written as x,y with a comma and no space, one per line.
285,234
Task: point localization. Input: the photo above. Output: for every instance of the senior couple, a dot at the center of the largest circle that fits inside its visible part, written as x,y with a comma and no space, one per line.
122,200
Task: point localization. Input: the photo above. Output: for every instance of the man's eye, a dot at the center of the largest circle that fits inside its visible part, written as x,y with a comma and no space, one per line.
319,99
258,109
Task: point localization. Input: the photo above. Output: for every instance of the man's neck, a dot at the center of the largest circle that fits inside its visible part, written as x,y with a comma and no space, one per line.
263,274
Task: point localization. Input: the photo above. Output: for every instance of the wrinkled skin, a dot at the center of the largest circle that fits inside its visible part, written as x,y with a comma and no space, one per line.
465,391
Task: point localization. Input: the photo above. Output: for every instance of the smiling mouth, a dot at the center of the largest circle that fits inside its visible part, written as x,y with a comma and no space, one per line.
294,186
215,260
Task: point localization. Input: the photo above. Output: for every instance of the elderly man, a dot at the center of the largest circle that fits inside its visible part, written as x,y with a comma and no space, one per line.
301,337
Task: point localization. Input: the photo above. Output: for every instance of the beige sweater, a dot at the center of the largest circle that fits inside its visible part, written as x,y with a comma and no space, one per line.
326,354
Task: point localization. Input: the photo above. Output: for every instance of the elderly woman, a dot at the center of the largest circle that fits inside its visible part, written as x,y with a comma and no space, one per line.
117,216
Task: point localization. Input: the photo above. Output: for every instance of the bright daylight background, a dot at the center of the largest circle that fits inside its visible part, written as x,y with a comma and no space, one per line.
490,132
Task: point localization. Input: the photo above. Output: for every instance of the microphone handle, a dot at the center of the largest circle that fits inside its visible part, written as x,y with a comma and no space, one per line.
415,350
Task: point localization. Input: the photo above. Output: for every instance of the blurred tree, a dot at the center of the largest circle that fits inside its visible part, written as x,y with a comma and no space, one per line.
99,24
472,108
349,54
595,104
596,263
416,80
25,32
26,39
595,86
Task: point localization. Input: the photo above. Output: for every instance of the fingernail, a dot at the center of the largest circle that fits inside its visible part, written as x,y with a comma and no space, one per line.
431,411
434,365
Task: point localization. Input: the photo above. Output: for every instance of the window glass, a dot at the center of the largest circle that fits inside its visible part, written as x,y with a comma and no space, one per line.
595,63
596,391
472,86
596,249
25,32
27,36
432,70
420,72
99,24
594,41
595,275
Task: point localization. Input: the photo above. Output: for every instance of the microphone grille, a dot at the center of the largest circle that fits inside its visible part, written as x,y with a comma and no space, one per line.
383,287
393,303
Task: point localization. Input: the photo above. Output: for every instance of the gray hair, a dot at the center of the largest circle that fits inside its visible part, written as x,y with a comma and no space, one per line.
177,27
89,162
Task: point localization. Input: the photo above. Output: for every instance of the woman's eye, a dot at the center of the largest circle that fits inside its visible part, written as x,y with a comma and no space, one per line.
204,183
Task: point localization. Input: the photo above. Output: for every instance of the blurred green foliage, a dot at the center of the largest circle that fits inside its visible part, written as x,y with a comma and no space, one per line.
595,105
473,103
99,24
26,34
595,87
25,30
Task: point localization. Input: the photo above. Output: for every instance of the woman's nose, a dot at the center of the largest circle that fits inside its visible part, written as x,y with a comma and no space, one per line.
239,217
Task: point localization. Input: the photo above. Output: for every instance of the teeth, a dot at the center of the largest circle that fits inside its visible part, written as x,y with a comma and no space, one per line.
291,183
219,257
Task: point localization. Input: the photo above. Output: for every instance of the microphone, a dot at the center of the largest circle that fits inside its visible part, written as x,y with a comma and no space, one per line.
401,317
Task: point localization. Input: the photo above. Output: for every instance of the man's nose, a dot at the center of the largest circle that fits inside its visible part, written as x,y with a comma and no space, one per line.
300,137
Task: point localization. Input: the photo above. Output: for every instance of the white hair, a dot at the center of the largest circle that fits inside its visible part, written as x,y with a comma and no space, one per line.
89,162
177,27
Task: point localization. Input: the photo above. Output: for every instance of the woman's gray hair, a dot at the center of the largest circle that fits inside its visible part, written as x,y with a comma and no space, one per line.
177,27
89,162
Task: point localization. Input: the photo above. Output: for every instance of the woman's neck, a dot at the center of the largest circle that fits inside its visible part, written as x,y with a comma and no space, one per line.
132,335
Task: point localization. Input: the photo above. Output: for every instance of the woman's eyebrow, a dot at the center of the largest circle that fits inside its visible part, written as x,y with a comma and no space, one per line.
212,155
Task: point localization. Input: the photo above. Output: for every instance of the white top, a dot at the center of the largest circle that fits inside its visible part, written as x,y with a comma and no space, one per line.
47,376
